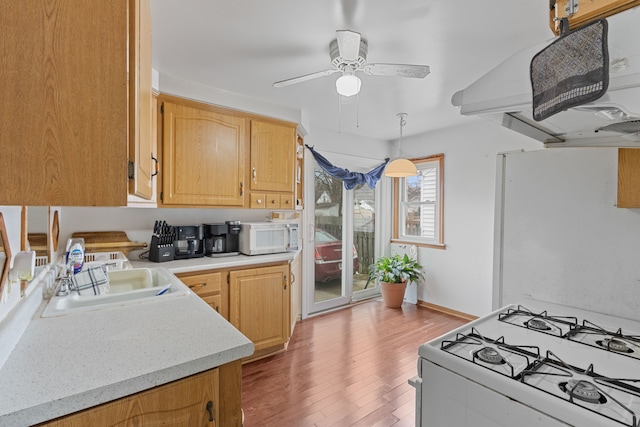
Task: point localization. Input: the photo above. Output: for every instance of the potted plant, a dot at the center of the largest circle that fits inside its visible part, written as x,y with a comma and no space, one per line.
393,273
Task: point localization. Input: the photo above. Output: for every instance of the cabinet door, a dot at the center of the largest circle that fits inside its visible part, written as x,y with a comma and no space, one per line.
296,290
192,401
628,178
203,156
63,118
209,287
259,304
272,156
141,124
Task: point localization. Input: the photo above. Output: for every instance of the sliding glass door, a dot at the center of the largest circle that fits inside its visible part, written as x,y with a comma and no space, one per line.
344,243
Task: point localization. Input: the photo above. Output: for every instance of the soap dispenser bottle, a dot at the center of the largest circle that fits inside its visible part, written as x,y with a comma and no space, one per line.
75,254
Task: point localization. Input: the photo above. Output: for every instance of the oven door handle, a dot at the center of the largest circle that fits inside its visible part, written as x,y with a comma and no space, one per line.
416,382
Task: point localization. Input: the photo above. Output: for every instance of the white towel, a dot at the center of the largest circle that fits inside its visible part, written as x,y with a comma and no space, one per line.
92,281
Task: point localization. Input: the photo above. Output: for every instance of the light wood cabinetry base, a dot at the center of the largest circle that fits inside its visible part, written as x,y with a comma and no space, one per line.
211,398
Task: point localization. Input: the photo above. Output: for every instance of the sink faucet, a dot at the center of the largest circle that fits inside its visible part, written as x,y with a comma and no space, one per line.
66,282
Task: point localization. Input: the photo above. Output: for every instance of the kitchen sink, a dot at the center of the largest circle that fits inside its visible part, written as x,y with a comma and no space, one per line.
144,285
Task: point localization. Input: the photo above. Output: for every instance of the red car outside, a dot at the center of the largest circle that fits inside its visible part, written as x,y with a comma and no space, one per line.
328,257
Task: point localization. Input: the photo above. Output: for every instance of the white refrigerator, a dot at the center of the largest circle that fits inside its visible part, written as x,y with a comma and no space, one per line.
559,236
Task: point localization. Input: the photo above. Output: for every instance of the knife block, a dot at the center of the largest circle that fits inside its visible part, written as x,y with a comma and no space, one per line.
160,252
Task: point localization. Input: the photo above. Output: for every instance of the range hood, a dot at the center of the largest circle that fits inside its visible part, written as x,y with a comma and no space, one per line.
504,96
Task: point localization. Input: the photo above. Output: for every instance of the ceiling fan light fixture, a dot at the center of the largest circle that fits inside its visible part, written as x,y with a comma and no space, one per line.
348,85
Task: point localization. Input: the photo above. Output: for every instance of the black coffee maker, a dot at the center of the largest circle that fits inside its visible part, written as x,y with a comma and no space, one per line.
222,239
188,241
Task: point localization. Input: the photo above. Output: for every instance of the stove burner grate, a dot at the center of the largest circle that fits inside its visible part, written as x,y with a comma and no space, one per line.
540,322
611,340
583,390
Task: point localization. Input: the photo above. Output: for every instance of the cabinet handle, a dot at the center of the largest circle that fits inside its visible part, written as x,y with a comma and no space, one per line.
217,309
259,201
157,166
198,285
241,188
293,278
254,173
210,409
285,282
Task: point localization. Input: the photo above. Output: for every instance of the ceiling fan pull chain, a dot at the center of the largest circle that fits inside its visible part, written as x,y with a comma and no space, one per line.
339,114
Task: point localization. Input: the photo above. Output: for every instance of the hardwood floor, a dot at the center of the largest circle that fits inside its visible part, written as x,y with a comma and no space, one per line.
346,368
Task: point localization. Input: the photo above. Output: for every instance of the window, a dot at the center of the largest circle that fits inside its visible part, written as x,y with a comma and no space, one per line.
418,204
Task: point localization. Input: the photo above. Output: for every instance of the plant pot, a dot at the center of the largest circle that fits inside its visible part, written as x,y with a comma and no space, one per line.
392,294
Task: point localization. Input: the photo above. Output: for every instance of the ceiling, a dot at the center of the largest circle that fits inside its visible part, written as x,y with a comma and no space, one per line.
244,46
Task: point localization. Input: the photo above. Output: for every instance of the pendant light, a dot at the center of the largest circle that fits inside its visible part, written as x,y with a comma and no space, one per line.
400,167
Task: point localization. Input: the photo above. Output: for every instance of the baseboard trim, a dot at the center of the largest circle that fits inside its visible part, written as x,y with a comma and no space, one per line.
446,310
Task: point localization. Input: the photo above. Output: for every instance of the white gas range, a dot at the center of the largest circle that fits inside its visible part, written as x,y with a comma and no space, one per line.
535,364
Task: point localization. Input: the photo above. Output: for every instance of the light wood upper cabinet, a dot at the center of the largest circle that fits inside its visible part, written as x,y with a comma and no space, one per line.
63,118
142,135
584,11
628,178
299,177
204,152
259,304
72,101
272,156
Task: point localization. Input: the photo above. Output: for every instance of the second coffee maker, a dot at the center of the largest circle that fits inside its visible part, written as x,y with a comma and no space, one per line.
222,239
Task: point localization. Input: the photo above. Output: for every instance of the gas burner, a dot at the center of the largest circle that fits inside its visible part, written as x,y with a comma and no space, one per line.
490,355
538,321
615,341
537,324
614,344
583,390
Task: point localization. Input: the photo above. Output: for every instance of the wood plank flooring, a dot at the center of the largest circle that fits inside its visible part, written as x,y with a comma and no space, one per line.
345,368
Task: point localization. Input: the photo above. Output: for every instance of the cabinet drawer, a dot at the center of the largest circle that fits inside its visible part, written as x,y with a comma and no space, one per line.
273,201
258,200
204,285
286,201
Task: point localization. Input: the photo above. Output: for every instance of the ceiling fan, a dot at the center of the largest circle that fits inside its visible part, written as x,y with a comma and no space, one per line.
348,53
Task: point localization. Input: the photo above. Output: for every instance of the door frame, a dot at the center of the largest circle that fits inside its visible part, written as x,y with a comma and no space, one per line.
309,306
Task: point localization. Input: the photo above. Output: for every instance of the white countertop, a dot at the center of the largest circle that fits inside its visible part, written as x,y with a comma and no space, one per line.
211,263
64,364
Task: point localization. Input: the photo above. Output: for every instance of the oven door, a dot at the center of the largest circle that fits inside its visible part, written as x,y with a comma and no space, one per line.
448,399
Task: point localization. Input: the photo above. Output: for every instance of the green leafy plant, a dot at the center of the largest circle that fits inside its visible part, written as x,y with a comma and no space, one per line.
396,269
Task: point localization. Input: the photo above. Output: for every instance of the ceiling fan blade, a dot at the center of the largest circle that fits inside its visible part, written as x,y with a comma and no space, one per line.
304,78
348,44
402,70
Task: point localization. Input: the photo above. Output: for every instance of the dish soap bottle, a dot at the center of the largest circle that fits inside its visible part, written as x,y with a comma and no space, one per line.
75,254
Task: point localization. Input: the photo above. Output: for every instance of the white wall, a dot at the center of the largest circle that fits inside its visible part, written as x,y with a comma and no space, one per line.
460,277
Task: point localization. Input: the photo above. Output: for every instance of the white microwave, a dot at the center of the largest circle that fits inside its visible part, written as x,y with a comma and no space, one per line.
260,238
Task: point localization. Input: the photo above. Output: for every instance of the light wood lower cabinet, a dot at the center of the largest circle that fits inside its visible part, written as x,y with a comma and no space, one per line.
256,300
259,305
211,398
209,287
296,290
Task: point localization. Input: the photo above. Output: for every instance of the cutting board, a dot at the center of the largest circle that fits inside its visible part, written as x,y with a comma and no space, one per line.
108,241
